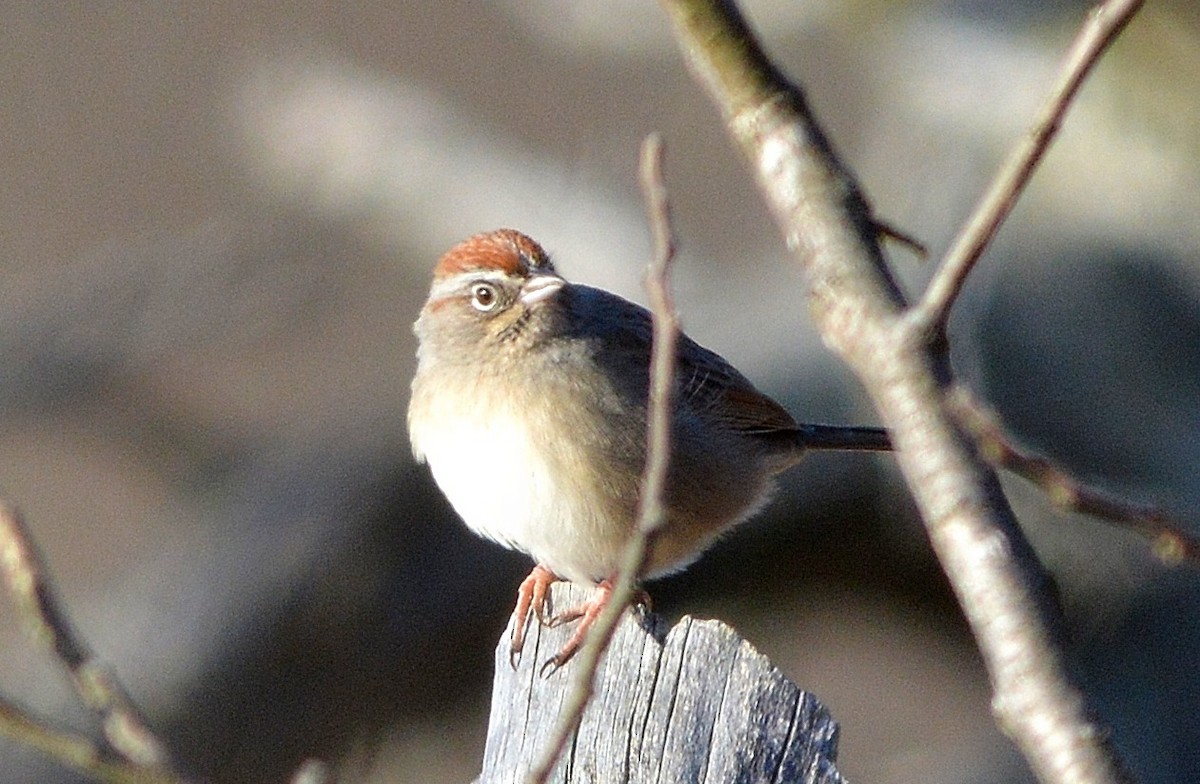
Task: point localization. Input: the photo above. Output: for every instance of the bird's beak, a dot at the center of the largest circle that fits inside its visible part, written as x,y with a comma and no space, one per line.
539,288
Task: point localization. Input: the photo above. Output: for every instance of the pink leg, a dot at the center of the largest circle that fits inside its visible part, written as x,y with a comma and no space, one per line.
587,613
533,594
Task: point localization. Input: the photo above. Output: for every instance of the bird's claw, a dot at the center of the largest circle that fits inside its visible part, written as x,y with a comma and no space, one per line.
533,593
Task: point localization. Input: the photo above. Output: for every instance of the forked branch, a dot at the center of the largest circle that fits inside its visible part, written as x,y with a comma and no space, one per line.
125,730
861,315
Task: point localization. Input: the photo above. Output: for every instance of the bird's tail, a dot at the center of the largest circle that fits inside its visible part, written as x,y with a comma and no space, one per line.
835,437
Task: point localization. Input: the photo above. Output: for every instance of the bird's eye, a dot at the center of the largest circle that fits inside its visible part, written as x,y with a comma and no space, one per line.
484,297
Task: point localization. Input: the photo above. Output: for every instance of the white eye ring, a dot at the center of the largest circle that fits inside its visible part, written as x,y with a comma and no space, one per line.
484,297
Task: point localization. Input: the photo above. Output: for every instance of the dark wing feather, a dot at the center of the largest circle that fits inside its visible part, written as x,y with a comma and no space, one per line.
713,387
708,384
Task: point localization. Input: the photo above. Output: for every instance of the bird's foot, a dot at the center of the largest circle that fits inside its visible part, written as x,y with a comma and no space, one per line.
534,593
586,614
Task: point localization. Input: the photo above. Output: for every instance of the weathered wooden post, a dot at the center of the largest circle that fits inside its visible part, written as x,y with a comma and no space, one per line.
689,704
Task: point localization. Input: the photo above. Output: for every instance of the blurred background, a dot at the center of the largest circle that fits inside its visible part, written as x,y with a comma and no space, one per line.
218,225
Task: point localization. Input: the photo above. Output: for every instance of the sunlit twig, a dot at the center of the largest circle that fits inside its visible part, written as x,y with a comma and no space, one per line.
651,511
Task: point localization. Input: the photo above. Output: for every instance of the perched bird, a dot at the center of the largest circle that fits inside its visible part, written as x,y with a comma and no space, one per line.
530,403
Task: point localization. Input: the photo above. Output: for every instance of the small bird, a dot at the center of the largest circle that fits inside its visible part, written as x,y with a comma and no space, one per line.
529,404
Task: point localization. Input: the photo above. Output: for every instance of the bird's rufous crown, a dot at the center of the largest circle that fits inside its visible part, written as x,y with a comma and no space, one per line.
506,250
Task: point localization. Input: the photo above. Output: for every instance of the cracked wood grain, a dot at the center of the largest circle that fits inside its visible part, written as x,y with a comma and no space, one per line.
693,702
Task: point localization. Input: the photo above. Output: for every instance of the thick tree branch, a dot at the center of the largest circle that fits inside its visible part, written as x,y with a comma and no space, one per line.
859,312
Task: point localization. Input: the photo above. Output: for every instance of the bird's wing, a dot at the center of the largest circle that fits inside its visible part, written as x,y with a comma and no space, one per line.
712,386
707,384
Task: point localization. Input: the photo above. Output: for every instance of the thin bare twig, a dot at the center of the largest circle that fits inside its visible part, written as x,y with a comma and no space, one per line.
1170,541
1101,28
37,601
651,512
890,232
73,751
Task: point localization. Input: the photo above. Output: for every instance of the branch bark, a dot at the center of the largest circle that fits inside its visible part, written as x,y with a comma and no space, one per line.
901,362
